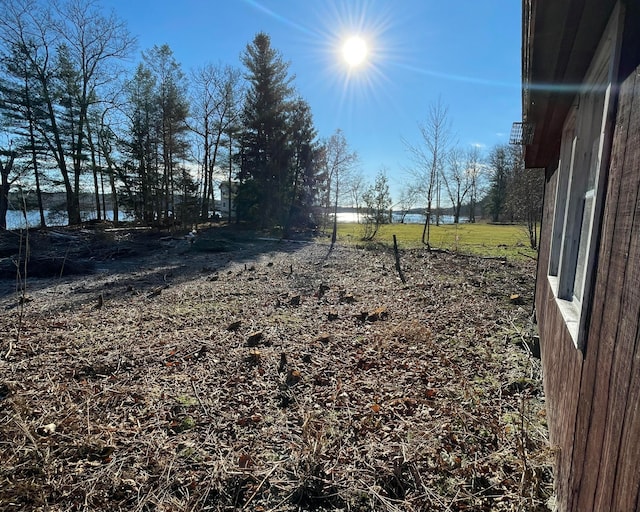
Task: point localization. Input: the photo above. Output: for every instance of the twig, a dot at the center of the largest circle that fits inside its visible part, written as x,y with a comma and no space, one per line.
64,261
22,281
534,258
262,482
195,392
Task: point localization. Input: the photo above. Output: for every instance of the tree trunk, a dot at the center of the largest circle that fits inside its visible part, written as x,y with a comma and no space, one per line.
112,180
4,196
73,200
426,230
204,210
114,195
36,173
34,155
456,213
94,166
230,175
334,232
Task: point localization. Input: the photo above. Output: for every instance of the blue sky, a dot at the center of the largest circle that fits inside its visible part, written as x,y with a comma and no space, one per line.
464,52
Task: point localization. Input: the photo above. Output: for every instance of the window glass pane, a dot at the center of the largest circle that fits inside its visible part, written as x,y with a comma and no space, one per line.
585,230
567,154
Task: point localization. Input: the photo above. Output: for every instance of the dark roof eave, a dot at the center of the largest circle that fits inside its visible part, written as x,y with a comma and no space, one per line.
559,40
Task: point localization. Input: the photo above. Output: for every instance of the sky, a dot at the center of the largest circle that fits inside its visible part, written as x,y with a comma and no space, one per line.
462,53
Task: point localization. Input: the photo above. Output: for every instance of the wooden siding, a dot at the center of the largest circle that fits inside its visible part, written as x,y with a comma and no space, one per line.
594,398
561,361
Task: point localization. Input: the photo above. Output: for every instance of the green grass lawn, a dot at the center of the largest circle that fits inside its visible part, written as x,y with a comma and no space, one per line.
497,240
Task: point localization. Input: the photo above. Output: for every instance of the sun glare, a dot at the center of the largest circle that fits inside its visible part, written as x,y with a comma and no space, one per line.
357,49
354,51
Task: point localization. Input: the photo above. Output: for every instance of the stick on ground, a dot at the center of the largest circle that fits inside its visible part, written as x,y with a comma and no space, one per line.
397,255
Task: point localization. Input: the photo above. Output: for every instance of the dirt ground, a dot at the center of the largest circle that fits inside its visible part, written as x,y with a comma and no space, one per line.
234,372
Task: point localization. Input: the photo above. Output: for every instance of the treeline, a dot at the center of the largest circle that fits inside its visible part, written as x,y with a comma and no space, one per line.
515,194
469,184
153,139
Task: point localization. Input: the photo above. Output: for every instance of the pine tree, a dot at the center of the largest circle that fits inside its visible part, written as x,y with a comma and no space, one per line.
501,170
173,109
21,114
303,187
68,49
139,172
265,150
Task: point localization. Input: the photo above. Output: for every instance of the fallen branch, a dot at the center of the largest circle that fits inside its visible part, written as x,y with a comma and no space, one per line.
195,392
534,258
262,483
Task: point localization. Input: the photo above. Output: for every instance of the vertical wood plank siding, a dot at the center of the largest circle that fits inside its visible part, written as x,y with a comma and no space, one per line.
561,361
594,398
625,489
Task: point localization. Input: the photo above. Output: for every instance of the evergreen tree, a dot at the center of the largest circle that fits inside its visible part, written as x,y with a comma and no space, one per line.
500,166
67,49
303,187
265,152
139,173
67,95
173,109
21,115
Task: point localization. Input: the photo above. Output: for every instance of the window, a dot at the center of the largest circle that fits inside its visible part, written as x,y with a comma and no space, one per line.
579,194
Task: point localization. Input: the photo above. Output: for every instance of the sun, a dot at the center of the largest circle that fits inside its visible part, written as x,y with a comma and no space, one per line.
355,51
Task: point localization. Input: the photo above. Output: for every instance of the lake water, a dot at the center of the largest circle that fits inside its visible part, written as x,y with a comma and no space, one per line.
16,220
410,218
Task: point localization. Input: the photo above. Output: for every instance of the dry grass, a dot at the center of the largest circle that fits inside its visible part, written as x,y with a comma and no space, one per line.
261,380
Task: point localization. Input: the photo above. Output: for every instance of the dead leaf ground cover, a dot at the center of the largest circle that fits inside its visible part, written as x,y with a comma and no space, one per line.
252,374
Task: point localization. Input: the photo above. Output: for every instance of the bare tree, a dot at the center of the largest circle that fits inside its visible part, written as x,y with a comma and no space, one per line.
355,186
456,181
475,173
525,190
338,160
93,42
216,94
377,202
429,157
68,50
409,197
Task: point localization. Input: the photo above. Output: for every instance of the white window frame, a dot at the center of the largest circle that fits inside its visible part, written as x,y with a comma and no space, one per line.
584,158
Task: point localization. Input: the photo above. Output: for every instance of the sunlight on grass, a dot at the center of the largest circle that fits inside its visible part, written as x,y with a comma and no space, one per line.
496,240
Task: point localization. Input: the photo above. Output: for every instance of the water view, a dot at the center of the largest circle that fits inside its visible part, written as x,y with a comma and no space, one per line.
16,218
397,218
